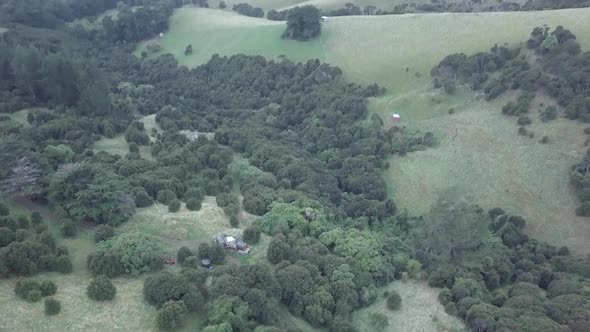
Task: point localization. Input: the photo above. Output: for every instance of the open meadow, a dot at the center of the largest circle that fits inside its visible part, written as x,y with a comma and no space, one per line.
420,311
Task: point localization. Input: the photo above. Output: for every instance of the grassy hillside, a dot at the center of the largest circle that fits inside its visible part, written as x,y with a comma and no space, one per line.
477,149
226,33
420,311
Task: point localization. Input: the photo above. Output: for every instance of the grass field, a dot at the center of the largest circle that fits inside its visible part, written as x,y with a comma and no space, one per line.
398,52
226,33
420,311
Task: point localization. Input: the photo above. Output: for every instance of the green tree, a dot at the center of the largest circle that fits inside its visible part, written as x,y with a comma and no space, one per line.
183,253
48,288
174,206
103,233
193,204
164,287
251,234
101,288
171,315
229,310
58,154
303,23
394,301
137,252
52,306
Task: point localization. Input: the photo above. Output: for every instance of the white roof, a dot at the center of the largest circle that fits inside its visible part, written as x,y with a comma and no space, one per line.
324,17
230,239
396,115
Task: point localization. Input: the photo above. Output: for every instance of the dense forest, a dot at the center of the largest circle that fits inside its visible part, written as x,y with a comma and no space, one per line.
313,176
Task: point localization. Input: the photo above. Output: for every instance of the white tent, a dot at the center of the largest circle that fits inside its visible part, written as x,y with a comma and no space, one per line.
325,18
396,117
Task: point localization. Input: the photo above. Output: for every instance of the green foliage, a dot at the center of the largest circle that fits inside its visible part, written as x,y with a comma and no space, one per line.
135,252
79,188
68,228
47,288
101,288
361,246
183,253
193,204
213,252
4,211
52,306
58,154
166,196
303,23
248,10
36,218
278,250
63,264
229,310
165,286
251,234
174,206
142,199
103,233
394,301
193,300
171,315
28,289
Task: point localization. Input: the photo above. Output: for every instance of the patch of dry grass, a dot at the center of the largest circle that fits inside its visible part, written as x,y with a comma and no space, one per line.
420,311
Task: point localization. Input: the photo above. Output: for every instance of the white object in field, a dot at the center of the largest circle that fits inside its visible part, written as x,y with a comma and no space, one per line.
325,18
229,239
161,34
396,117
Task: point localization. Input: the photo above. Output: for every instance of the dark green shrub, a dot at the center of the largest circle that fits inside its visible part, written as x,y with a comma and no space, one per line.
52,306
192,262
105,263
544,140
194,192
48,288
445,296
171,315
34,295
166,196
103,232
522,131
165,286
63,264
36,218
25,287
225,199
251,234
193,204
394,301
524,121
4,211
101,288
142,199
133,147
193,300
451,309
183,253
174,206
68,228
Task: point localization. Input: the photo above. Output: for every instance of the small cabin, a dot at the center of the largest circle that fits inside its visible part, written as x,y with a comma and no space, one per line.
325,18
